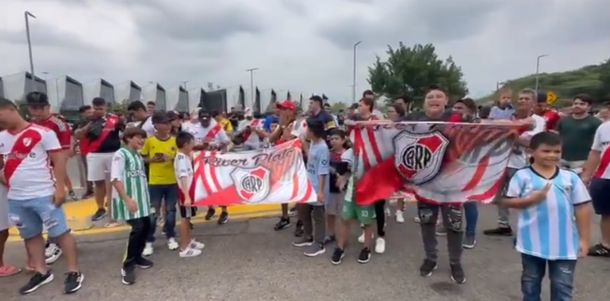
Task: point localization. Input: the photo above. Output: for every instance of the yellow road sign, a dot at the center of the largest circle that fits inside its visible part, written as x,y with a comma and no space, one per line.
551,98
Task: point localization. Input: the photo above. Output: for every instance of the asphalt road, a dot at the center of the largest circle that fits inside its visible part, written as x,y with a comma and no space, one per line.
249,261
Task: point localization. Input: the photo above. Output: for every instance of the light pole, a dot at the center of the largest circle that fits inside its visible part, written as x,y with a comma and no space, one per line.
538,68
251,70
27,31
354,75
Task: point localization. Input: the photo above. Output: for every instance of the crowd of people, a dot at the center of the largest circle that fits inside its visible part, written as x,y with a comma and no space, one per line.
140,169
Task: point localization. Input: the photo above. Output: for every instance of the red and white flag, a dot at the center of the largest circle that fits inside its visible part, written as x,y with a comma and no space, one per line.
435,161
273,175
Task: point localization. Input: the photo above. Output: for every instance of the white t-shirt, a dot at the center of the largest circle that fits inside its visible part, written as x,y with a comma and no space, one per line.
148,127
253,140
183,167
519,158
201,134
27,167
601,143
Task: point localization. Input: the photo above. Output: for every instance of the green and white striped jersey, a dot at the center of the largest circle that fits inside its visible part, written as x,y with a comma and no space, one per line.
128,167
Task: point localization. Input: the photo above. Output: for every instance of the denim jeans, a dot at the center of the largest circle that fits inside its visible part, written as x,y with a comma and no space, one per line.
471,213
169,193
561,274
452,221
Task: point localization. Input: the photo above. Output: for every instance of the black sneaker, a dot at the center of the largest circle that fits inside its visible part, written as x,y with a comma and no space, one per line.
337,257
223,218
210,214
500,231
427,268
144,263
365,255
128,275
282,224
36,282
469,242
329,239
99,214
73,282
457,273
599,250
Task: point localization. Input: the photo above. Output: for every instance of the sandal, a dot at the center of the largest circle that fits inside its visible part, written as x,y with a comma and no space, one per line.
599,250
8,270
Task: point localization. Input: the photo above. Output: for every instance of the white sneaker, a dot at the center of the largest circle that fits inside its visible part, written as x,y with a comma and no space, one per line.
148,249
172,244
189,252
400,218
380,245
361,238
196,245
52,253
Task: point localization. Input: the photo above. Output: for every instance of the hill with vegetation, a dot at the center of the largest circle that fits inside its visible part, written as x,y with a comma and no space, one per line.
593,80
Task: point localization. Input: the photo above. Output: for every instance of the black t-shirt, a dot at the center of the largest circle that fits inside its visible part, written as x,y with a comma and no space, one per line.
112,140
339,167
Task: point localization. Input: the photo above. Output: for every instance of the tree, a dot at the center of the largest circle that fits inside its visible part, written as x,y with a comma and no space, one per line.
338,106
604,77
411,70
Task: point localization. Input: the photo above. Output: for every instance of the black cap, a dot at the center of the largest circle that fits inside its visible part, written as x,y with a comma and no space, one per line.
317,98
37,99
204,114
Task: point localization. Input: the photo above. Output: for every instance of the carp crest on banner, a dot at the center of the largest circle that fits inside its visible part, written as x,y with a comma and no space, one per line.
419,156
252,185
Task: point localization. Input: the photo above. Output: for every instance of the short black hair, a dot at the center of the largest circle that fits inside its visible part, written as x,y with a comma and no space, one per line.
132,132
183,138
584,97
406,98
160,117
484,112
436,87
367,92
37,99
317,98
5,103
84,109
151,103
316,127
546,138
136,106
98,102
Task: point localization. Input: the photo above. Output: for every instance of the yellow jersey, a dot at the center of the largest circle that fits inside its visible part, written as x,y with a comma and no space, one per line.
160,173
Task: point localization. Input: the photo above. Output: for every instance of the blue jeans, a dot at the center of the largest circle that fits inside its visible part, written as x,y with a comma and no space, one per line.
169,193
31,216
471,213
561,274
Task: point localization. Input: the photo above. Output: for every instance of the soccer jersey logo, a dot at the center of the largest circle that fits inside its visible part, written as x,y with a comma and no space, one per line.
252,185
27,141
418,157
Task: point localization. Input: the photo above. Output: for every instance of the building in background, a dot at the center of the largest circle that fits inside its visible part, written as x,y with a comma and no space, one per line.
216,100
16,86
178,99
98,88
155,92
65,94
128,92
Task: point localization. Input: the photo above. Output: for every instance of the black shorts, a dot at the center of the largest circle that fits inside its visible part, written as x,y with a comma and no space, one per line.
600,195
187,212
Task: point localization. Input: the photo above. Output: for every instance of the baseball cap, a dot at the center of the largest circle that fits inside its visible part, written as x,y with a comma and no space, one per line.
287,105
204,114
37,99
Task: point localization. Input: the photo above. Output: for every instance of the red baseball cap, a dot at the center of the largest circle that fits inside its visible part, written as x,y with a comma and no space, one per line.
287,105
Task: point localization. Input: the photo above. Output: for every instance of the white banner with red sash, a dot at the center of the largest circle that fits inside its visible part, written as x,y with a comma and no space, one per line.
271,176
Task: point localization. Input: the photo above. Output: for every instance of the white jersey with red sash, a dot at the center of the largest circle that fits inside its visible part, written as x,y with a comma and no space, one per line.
213,134
246,128
27,167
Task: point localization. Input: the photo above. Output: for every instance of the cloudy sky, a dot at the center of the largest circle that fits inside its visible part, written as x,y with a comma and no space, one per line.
298,45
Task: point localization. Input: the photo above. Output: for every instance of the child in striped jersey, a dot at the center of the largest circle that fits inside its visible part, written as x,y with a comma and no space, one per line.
554,222
183,167
131,200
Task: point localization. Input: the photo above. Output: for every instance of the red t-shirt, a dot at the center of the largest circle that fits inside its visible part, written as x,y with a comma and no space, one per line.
60,127
551,118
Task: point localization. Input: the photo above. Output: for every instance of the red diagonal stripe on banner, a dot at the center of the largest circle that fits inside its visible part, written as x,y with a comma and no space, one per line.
373,141
478,174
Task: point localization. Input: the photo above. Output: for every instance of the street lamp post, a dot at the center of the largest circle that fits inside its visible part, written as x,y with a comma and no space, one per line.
27,31
354,75
251,70
538,68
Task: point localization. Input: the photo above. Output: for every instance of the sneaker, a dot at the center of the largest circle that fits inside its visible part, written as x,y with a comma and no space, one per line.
189,252
73,282
500,231
457,273
599,250
128,275
210,214
148,249
172,244
416,220
427,268
337,257
72,196
380,245
282,224
223,218
196,244
36,282
329,239
52,253
400,218
365,255
361,238
144,263
98,215
303,242
469,242
315,250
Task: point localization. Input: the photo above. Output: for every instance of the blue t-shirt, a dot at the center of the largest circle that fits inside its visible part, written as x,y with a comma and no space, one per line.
548,229
269,120
317,165
498,113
